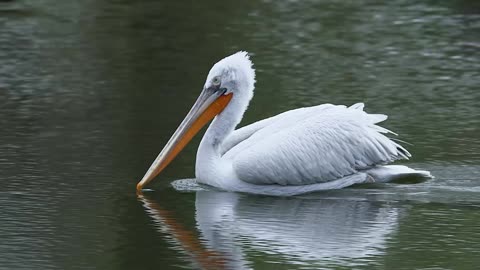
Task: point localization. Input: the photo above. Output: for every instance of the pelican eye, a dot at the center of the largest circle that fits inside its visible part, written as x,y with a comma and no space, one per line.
216,81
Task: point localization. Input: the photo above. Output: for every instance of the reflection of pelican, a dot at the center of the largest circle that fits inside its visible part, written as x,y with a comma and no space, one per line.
302,150
201,257
293,230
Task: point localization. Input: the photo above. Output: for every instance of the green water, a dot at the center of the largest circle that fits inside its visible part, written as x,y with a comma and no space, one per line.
90,91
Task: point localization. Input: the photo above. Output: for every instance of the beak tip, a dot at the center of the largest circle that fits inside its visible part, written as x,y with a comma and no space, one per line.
139,186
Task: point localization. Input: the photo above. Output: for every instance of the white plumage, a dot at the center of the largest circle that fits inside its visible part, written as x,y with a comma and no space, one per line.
313,145
303,150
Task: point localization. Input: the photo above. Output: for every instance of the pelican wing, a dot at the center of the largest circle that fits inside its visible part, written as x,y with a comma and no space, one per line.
243,133
275,122
313,145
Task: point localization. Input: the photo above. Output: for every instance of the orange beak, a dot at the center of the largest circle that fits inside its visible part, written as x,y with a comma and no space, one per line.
210,103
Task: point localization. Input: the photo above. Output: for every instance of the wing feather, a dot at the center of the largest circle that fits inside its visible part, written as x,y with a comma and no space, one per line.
313,145
243,133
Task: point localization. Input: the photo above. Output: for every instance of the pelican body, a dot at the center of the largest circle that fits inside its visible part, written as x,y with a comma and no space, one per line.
298,151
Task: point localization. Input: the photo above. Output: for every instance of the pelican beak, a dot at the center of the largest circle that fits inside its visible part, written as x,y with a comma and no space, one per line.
210,103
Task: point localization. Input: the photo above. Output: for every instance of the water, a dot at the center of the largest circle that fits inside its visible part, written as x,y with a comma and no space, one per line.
91,90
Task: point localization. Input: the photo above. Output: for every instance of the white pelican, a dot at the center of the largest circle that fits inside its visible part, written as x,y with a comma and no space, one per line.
303,150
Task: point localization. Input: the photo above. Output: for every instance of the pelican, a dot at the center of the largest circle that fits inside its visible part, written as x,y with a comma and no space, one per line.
303,150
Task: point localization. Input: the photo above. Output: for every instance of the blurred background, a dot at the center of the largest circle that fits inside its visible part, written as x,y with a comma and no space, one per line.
91,90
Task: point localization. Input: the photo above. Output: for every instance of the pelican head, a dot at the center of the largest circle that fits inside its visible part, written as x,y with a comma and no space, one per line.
230,81
234,73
